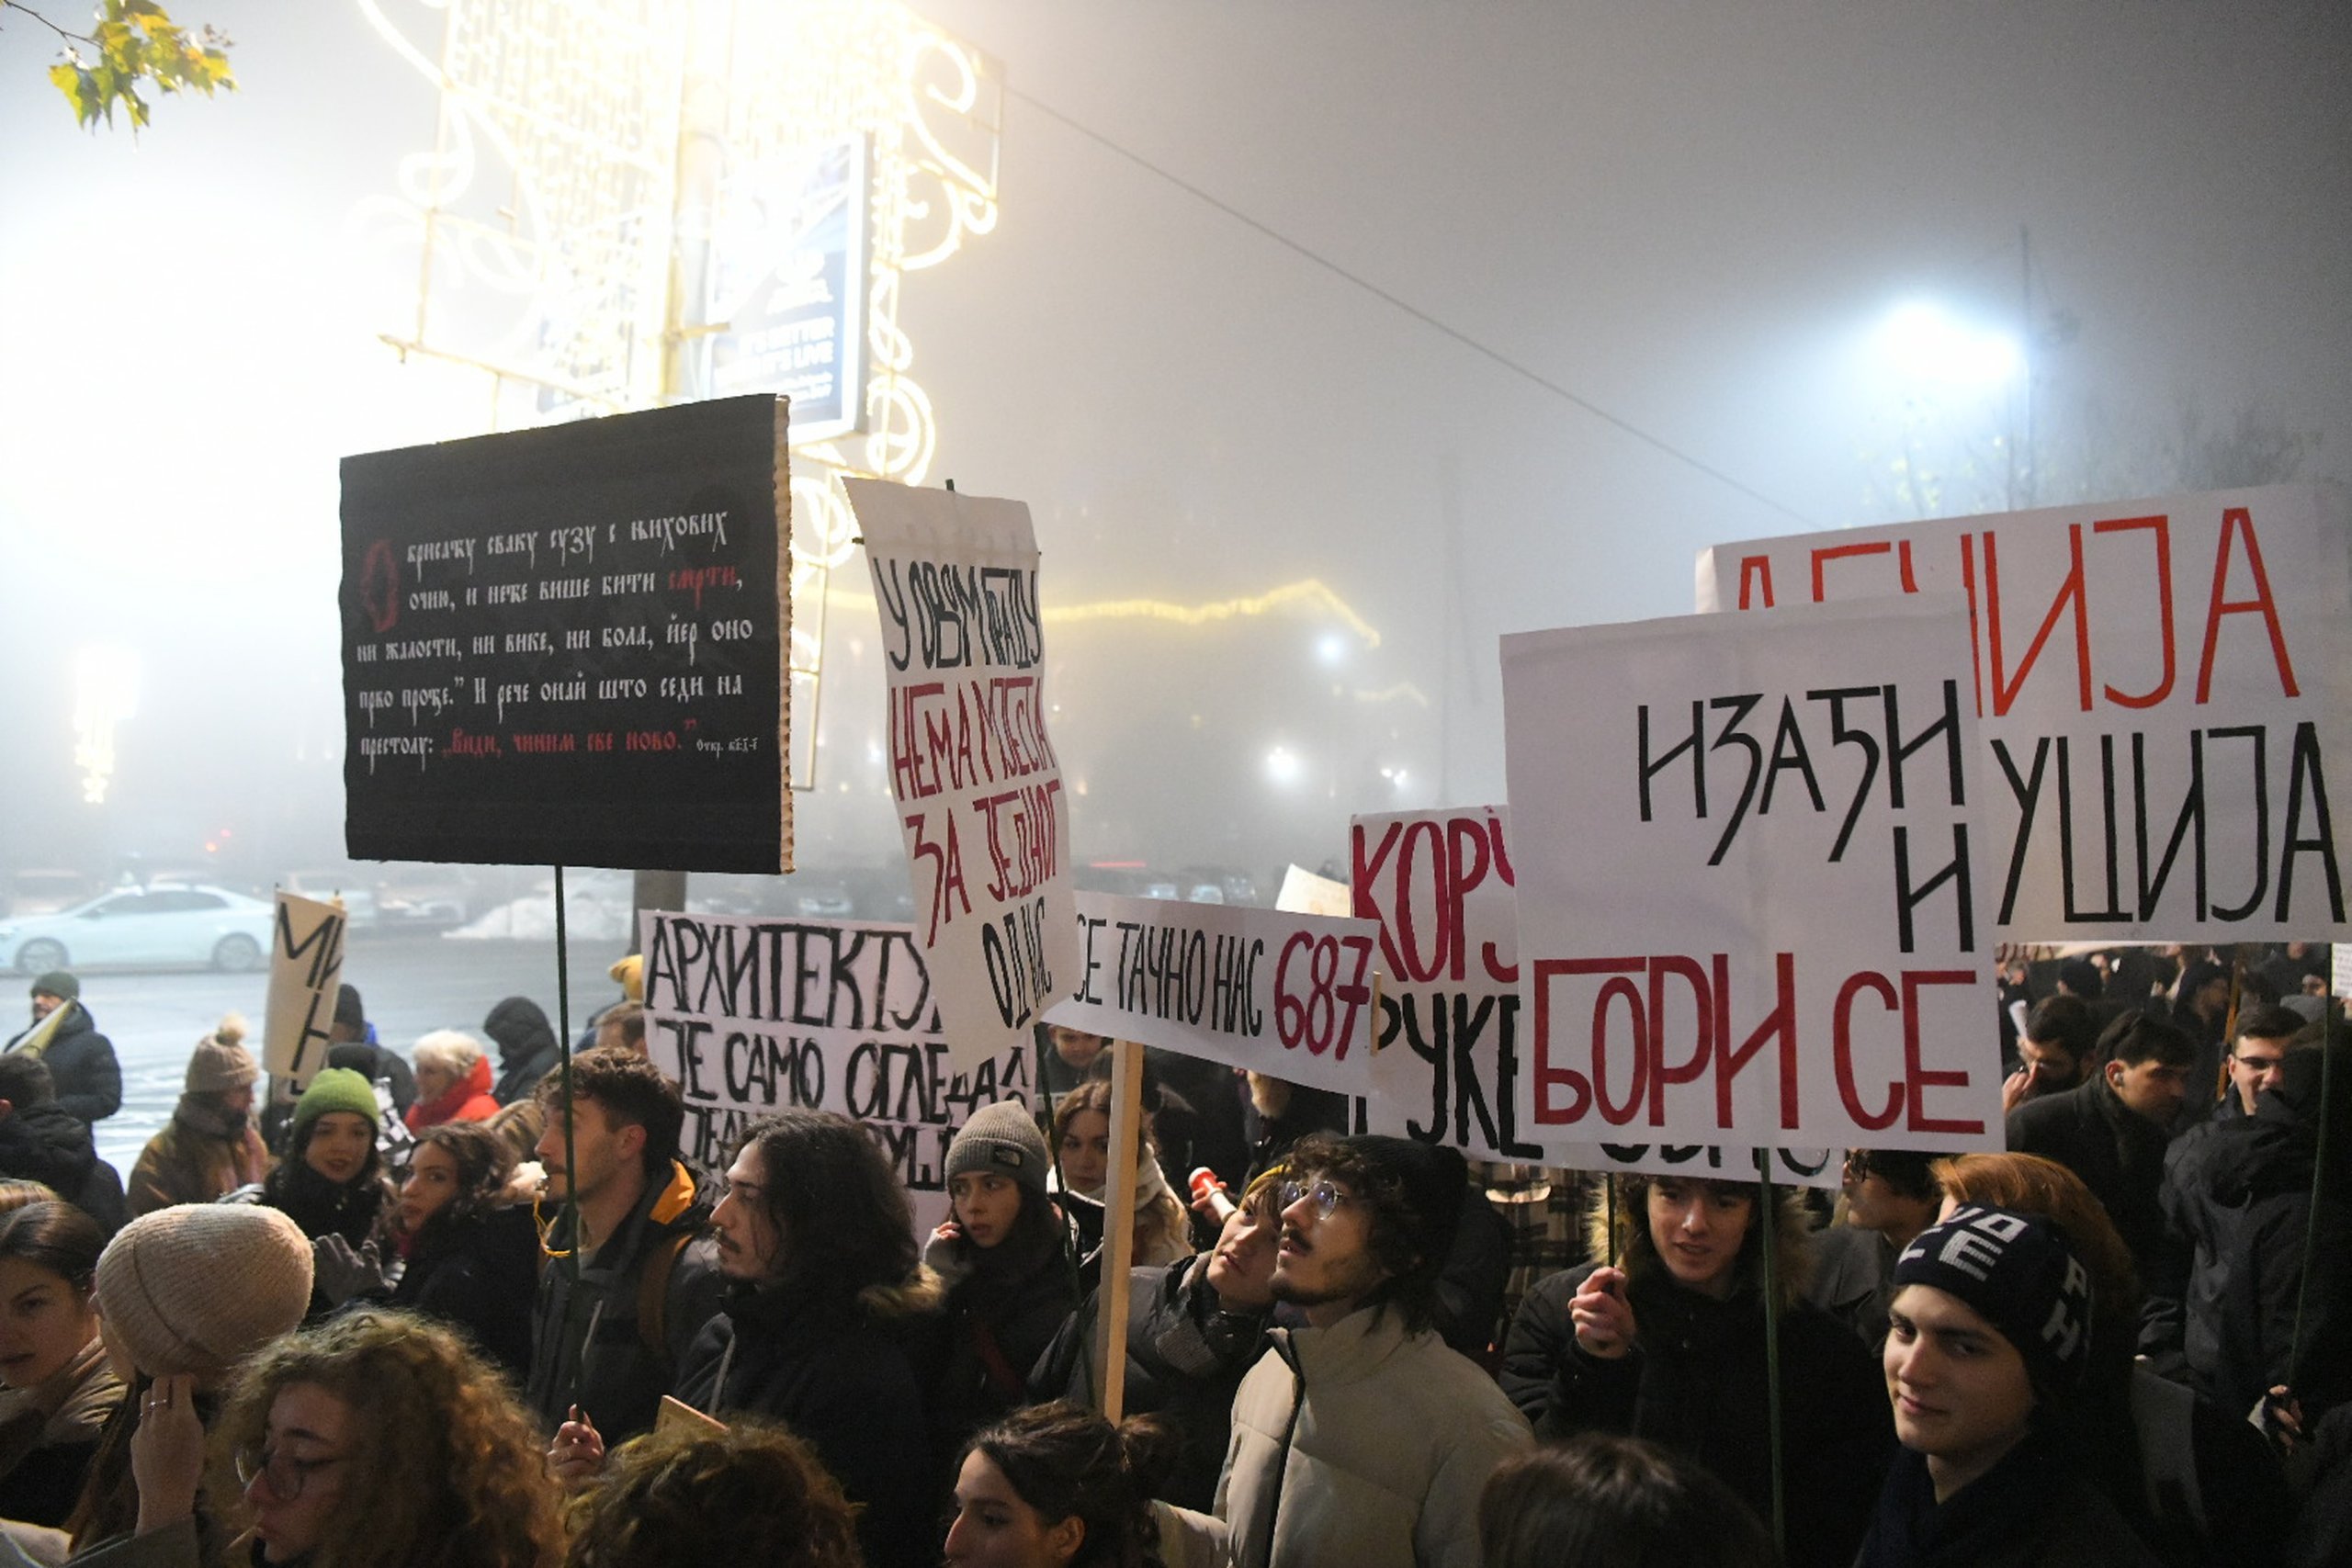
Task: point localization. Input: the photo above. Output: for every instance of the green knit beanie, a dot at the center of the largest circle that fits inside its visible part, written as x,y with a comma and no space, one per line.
336,1088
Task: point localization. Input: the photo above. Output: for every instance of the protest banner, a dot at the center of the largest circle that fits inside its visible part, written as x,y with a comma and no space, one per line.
749,1016
305,975
1275,992
1747,868
2164,686
568,645
979,788
1304,893
1448,1066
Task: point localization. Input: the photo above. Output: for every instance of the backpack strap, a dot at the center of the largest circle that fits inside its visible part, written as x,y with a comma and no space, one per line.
653,1293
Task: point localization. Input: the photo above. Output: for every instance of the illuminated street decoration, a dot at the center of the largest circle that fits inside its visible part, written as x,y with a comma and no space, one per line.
612,180
106,692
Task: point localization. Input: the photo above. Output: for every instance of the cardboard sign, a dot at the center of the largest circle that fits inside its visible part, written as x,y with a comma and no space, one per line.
2164,686
1304,893
1747,871
1277,993
749,1016
979,788
568,645
675,1414
1448,1070
305,977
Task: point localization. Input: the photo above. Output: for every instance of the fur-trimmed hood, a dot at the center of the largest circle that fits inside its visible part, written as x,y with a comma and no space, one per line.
920,1294
1631,1249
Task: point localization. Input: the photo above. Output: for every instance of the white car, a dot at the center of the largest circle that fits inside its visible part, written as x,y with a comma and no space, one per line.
143,928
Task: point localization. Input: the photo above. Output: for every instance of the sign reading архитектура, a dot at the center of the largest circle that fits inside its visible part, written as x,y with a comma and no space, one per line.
569,646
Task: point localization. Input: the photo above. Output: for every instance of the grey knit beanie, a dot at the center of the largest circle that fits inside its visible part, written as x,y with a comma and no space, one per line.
1001,1138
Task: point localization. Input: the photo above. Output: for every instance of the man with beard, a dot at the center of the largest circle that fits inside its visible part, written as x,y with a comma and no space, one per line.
210,1147
1362,1439
81,1061
628,1286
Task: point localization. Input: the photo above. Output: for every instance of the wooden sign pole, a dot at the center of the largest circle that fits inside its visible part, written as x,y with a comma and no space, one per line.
1118,1226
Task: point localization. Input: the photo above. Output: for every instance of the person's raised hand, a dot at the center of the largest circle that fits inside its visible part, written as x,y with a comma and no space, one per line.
1602,1317
167,1452
578,1452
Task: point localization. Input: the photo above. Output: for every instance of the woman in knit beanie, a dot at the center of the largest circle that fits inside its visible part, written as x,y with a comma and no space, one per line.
184,1294
1011,1273
211,1146
332,1181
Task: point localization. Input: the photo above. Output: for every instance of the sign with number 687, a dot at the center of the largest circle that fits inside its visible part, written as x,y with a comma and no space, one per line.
1287,995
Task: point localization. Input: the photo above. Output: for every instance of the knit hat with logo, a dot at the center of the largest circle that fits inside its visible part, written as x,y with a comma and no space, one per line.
2016,1272
1001,1138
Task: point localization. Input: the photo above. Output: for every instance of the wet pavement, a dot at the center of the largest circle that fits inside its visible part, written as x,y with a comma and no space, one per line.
412,982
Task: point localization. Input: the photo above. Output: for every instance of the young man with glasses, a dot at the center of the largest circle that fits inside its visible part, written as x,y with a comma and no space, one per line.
1361,1438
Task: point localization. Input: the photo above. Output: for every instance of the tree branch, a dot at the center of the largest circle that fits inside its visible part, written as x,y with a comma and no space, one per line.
44,21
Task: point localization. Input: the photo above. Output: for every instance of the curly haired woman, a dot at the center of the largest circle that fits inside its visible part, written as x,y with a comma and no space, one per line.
378,1439
748,1491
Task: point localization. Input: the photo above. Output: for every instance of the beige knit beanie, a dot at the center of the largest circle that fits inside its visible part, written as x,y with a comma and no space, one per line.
199,1287
221,1061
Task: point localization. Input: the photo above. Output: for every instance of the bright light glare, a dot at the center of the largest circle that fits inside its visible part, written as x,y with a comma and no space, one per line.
1923,341
105,693
1284,765
1331,647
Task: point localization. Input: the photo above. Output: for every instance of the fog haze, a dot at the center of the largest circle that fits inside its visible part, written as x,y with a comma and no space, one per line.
1216,344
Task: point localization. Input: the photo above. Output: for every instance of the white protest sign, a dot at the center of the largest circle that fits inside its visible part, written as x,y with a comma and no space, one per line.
749,1016
979,788
2163,684
305,975
1286,994
1747,873
1304,893
1449,1066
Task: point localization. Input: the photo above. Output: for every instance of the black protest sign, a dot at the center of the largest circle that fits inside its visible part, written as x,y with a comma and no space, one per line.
569,646
751,1016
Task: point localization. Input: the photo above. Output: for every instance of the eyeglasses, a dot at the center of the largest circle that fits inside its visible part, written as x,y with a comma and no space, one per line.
287,1476
1325,1195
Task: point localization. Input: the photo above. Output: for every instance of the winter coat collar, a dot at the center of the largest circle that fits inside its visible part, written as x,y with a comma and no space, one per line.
1351,1350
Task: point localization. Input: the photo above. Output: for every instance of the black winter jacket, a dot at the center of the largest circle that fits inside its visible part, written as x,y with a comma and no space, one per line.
527,1051
1695,1382
81,1065
478,1274
2030,1510
1003,1309
49,1144
2119,1153
837,1373
2222,1307
1186,1356
587,1347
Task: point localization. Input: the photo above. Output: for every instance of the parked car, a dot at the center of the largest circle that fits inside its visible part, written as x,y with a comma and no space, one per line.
46,892
143,928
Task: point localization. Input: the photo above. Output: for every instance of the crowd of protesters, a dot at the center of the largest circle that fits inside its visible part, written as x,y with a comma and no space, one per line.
474,1307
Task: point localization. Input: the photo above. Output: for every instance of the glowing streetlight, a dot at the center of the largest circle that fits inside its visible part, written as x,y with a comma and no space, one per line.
1284,767
1923,342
